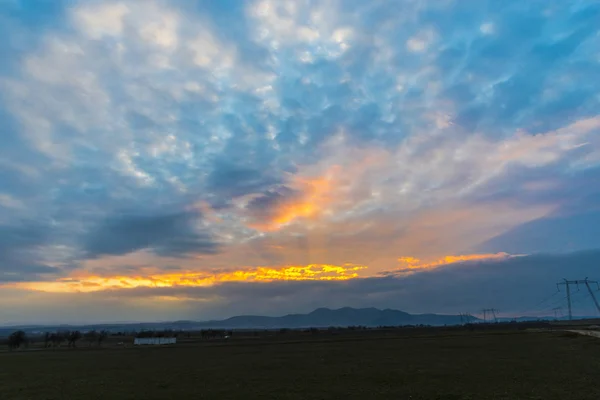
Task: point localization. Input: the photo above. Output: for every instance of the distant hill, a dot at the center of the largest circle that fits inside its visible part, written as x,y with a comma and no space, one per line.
321,317
324,317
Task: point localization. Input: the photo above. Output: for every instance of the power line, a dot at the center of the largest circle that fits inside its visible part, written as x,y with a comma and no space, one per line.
579,297
586,282
546,299
556,303
536,308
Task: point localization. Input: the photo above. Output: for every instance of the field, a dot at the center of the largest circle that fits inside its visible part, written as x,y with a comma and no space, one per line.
378,365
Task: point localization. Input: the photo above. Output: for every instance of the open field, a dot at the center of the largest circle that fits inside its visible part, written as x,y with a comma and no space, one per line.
443,365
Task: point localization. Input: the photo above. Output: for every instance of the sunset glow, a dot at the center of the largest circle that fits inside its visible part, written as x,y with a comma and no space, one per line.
416,264
315,195
309,205
81,282
93,283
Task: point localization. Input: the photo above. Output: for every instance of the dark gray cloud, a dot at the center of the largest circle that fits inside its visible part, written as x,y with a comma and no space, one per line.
21,254
228,180
263,207
174,235
560,233
573,226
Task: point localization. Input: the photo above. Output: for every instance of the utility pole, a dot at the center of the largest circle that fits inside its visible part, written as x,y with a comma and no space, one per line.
577,282
569,300
491,311
587,284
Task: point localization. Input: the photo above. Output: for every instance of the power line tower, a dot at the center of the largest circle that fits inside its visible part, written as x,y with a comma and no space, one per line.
492,311
577,282
556,310
465,318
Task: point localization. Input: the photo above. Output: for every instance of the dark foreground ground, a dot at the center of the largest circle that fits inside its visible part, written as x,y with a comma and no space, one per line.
493,365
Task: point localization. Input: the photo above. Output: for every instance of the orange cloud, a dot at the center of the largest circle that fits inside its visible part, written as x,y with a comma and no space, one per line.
415,263
93,283
316,194
339,183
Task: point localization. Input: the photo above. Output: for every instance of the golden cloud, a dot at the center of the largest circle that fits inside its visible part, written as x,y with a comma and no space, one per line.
94,283
416,264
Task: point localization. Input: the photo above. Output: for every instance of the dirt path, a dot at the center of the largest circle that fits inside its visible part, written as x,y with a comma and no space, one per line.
587,333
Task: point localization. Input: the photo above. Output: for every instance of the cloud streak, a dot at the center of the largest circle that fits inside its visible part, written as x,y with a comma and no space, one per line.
412,263
136,278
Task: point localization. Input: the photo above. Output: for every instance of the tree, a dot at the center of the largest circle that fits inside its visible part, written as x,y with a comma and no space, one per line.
91,337
101,336
17,339
58,337
73,337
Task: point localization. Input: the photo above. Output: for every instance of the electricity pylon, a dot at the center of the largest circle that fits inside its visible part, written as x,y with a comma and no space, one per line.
577,282
491,311
465,318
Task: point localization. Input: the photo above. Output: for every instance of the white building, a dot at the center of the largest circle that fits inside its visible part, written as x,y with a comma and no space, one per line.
153,340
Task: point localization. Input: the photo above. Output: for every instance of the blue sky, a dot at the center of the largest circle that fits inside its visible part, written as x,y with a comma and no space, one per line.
168,160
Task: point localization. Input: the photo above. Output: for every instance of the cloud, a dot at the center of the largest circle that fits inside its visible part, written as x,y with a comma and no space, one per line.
245,134
503,283
557,233
176,235
305,198
411,263
26,254
101,20
137,278
229,181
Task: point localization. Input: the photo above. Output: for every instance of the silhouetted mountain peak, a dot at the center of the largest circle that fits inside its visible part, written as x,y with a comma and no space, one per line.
321,310
345,316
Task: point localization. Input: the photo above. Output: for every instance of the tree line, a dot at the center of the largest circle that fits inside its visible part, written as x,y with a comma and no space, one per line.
204,333
20,339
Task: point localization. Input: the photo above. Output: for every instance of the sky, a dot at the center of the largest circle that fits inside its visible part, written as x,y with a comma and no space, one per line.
165,160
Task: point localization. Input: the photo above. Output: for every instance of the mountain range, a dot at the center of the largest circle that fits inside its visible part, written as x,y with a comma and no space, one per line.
325,317
321,317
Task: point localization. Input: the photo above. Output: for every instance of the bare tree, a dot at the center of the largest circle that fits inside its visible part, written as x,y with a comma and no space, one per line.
17,339
57,338
91,337
73,337
101,336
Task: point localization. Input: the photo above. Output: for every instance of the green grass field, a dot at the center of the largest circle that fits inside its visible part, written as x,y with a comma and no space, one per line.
478,366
